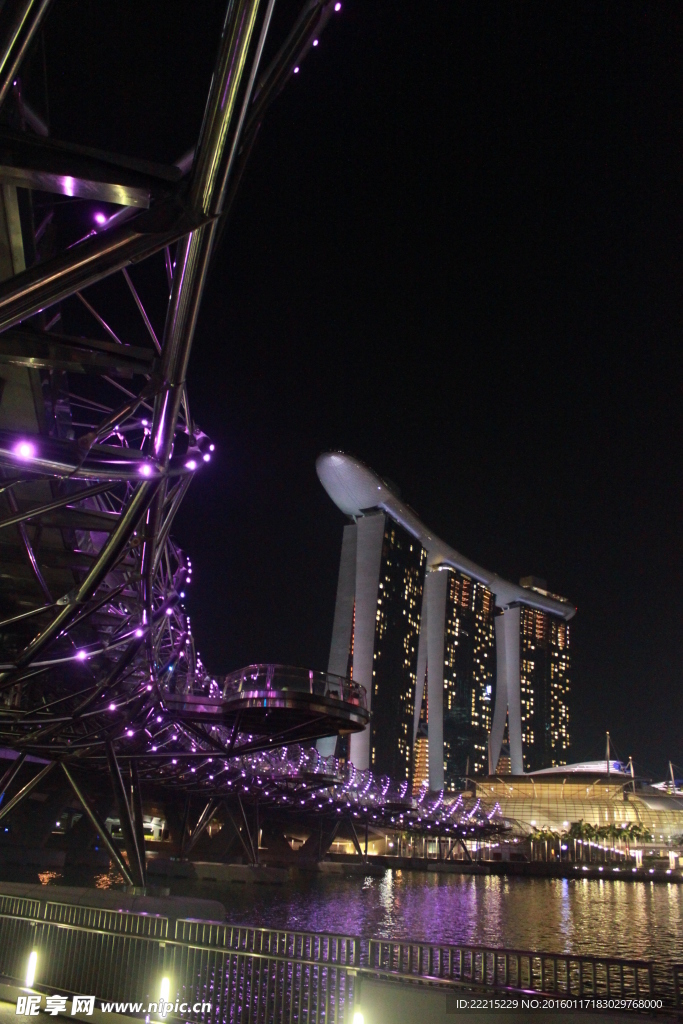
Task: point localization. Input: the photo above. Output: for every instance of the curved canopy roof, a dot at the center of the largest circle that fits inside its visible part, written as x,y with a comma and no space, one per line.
357,490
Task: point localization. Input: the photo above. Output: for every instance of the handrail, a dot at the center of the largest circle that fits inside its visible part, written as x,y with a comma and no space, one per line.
514,970
84,948
287,677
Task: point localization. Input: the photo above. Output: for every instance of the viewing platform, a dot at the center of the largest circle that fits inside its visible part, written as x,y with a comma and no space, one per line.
278,702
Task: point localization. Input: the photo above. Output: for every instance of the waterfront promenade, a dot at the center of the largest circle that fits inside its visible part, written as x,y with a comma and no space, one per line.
56,941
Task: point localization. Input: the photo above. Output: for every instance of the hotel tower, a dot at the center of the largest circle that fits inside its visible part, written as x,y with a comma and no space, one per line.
451,655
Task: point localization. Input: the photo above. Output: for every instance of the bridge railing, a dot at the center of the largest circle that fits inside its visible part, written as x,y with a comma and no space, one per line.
287,677
270,975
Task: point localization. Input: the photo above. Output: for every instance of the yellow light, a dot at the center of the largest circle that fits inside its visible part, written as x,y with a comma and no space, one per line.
358,1018
31,969
165,989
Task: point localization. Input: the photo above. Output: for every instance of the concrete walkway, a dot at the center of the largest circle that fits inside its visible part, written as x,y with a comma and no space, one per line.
388,1002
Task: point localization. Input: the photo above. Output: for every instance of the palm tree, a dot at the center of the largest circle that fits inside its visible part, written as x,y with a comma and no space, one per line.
544,835
575,831
585,832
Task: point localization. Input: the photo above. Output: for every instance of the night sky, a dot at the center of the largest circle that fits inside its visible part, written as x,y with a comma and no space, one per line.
456,255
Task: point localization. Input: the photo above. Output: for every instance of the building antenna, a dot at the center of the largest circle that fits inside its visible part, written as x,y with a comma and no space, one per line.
633,777
607,754
671,773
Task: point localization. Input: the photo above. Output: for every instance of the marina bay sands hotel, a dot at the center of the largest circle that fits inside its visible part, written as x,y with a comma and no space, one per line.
465,672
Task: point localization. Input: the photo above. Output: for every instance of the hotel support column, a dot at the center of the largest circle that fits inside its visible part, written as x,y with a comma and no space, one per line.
340,647
369,538
508,699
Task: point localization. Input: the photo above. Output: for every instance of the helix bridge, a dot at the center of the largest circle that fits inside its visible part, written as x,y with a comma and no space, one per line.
103,263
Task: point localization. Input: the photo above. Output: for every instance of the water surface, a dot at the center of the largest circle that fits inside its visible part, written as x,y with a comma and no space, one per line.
641,920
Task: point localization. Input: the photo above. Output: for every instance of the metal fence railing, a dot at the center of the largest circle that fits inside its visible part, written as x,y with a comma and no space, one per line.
245,974
678,983
515,970
265,976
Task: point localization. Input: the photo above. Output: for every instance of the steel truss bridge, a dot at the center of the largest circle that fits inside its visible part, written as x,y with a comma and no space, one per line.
98,666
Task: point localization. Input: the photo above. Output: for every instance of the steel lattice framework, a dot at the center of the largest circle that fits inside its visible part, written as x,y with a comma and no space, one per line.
98,448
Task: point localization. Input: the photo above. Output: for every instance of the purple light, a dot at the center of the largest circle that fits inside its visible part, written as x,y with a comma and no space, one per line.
82,655
138,632
25,450
112,707
315,42
159,718
182,593
129,732
190,464
212,447
169,611
145,423
207,457
145,469
100,218
337,7
174,761
149,686
296,71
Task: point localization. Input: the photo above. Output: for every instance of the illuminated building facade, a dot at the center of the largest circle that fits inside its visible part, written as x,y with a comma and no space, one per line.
415,619
421,747
375,638
399,604
464,616
545,667
469,678
585,792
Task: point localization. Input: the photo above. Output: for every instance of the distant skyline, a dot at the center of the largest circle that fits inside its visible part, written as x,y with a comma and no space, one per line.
456,255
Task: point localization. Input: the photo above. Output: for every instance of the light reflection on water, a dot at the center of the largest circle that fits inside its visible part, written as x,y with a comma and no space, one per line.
625,919
641,920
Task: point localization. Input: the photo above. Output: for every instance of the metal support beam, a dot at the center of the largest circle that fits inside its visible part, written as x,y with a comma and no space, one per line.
108,557
99,827
93,259
28,788
21,20
200,827
125,817
50,165
51,506
333,835
136,801
185,826
112,677
28,548
34,349
224,117
356,841
245,822
468,858
11,774
238,831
